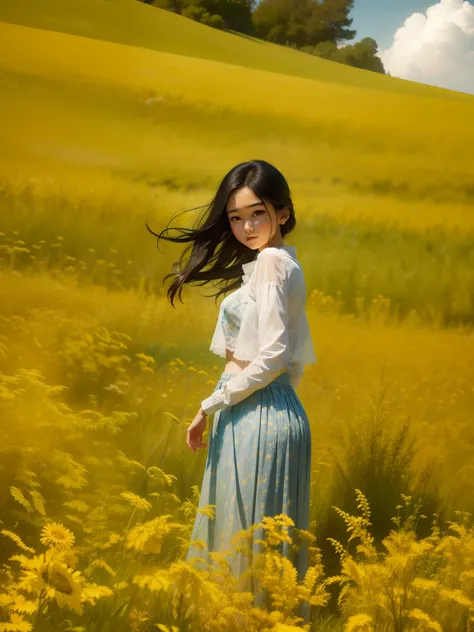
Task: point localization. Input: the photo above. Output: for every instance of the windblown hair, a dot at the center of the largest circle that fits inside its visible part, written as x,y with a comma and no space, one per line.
212,242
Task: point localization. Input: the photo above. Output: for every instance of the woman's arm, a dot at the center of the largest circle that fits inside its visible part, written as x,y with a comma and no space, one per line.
272,290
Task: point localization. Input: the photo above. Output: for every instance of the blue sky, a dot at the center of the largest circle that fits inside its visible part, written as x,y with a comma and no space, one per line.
381,18
436,49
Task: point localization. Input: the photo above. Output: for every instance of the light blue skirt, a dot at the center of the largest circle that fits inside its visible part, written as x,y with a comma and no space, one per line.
258,464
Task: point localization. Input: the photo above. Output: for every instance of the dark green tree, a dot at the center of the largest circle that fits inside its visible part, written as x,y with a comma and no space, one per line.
362,54
176,6
272,18
329,21
236,14
304,22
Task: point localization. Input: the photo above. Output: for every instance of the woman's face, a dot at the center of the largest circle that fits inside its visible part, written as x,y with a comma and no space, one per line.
250,222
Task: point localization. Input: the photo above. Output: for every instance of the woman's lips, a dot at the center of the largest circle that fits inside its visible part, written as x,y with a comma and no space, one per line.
249,238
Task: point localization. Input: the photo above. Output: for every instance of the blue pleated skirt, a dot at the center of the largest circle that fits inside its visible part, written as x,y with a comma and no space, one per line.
258,464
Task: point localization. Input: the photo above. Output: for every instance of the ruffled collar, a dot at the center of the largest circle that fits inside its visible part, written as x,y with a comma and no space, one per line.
249,266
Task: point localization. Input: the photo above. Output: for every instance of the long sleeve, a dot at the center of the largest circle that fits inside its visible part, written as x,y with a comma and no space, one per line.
271,291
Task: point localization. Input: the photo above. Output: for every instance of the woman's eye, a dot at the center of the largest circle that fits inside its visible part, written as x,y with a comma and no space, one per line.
236,217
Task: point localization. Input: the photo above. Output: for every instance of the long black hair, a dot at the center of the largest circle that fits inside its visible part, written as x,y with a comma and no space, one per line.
212,240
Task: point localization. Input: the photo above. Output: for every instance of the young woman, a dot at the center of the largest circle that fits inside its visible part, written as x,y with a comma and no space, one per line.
259,457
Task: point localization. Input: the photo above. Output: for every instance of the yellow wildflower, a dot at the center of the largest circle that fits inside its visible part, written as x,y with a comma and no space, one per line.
55,534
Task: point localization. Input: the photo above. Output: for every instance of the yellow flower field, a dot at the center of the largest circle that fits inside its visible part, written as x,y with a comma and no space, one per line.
100,376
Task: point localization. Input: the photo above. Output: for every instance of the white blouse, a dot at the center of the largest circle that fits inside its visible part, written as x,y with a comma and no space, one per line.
264,322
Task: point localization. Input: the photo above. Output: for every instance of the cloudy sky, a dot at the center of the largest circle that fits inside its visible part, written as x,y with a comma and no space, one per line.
429,42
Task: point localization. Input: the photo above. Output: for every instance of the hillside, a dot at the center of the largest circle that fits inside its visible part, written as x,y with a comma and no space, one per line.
136,24
115,116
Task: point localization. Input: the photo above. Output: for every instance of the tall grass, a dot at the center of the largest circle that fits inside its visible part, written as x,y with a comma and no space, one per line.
95,536
383,201
100,377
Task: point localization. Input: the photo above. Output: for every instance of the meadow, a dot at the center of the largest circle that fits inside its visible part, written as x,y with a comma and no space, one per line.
105,128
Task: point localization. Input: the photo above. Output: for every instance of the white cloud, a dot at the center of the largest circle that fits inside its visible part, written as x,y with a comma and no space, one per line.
436,48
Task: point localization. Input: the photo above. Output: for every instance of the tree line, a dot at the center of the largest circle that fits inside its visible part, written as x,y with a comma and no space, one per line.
316,27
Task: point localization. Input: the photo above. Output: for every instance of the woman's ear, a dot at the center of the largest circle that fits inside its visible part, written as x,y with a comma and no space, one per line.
284,215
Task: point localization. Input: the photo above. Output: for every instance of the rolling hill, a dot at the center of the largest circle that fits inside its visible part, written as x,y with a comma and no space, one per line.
136,24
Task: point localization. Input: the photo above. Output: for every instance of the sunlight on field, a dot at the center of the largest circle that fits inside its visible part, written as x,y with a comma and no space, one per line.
108,400
168,32
100,376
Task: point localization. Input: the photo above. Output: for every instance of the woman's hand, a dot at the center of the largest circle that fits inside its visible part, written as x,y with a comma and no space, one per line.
196,430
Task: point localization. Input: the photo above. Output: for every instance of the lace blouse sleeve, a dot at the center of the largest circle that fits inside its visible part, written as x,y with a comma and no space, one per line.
271,290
